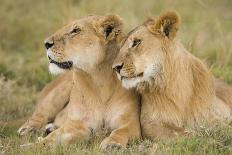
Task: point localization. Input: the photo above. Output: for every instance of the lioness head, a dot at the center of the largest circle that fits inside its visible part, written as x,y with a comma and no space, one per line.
83,43
143,56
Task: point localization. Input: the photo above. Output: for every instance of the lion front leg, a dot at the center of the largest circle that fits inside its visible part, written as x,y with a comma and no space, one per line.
51,101
34,123
158,130
70,132
120,137
59,120
117,139
126,125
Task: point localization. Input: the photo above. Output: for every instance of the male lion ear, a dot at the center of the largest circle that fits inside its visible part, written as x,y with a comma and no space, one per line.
166,24
110,27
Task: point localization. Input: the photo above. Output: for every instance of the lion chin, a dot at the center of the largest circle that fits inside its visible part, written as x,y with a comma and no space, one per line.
55,70
146,76
130,83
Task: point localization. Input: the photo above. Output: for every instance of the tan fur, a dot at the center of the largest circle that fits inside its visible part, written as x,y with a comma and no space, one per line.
177,89
50,104
224,92
97,101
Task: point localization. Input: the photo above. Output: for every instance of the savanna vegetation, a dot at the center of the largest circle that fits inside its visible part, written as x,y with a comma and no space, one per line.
24,24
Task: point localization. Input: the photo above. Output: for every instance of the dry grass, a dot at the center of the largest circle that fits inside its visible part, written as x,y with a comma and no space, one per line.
205,31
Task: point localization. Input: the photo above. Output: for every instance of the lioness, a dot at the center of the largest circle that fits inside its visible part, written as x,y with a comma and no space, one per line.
88,47
177,89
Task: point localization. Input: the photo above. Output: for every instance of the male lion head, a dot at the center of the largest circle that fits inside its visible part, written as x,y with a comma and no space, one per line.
143,57
83,43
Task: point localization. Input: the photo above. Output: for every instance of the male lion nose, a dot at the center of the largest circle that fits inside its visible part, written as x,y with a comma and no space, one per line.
118,67
48,45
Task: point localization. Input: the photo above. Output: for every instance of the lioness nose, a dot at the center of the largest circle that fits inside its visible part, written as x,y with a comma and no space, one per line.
118,67
48,45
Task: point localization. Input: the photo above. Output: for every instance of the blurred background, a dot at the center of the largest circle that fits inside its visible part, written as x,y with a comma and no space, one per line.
24,24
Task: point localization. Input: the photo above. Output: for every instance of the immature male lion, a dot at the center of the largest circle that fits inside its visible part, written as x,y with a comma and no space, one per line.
88,47
177,88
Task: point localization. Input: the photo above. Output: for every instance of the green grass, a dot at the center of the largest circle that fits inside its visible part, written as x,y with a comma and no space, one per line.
205,31
211,141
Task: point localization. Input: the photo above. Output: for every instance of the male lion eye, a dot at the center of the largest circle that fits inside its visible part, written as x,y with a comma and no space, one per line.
136,42
75,31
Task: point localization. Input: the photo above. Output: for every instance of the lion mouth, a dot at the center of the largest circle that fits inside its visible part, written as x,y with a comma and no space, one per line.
132,77
63,65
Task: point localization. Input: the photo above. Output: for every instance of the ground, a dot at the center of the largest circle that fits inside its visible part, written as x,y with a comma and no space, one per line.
205,31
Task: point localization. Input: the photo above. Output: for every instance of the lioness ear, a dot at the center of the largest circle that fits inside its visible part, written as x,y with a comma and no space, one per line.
166,24
109,27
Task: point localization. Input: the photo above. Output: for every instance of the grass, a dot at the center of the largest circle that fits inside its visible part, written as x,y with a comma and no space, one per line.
211,141
205,31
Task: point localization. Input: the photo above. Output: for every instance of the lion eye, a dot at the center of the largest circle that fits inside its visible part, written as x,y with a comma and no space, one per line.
136,42
75,31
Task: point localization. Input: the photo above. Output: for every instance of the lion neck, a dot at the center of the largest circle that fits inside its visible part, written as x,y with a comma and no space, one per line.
103,72
185,82
102,76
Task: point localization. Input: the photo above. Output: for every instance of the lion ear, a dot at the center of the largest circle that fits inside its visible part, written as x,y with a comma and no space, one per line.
109,27
166,24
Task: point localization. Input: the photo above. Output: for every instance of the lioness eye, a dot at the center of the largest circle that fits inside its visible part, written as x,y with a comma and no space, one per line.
75,31
136,42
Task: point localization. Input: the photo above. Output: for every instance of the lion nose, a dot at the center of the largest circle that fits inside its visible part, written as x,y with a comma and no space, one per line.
48,45
118,67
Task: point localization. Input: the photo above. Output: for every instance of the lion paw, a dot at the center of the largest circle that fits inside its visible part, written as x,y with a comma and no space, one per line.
109,144
25,130
49,128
